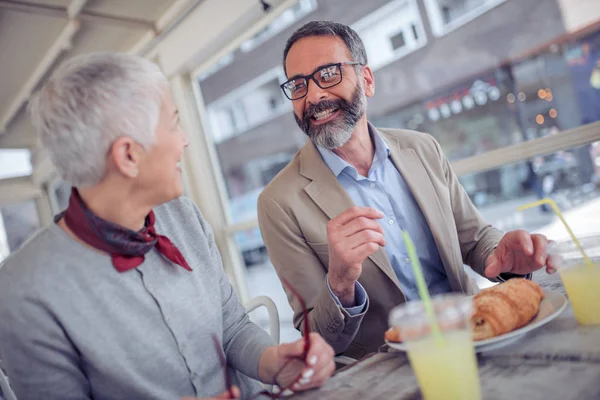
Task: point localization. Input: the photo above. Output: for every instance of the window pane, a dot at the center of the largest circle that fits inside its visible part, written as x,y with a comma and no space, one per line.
453,9
514,71
552,90
447,15
20,222
287,18
15,162
398,40
4,249
415,32
571,178
253,104
383,32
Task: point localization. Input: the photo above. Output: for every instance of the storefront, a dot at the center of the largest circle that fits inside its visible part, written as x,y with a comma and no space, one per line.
471,118
555,89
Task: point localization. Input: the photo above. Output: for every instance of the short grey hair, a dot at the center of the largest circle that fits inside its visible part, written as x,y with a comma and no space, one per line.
89,102
328,28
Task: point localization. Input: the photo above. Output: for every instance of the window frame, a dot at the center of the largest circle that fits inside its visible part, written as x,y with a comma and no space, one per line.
241,91
374,17
439,29
257,40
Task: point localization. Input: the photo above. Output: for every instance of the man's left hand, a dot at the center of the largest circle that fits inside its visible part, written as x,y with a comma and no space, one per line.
519,253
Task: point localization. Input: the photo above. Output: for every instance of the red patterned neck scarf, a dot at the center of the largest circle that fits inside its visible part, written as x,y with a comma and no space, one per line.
126,247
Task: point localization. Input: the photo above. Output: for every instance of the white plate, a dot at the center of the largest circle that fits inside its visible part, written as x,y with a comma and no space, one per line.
551,306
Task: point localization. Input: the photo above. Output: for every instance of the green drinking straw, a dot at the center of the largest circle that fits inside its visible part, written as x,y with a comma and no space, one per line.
552,204
423,291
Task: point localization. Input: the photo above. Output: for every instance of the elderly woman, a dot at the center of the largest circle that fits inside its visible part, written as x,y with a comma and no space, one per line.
123,297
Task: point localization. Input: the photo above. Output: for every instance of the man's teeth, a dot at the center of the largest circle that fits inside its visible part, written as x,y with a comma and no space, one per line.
179,164
324,114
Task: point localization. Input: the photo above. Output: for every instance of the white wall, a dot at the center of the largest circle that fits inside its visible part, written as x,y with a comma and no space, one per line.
579,13
14,162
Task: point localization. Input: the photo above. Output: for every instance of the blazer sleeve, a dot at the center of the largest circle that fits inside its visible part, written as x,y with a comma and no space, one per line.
295,261
477,238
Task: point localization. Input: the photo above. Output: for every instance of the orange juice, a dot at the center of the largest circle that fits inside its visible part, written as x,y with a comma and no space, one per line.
448,372
582,284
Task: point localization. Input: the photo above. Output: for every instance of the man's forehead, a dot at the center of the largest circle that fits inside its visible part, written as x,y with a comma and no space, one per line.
311,52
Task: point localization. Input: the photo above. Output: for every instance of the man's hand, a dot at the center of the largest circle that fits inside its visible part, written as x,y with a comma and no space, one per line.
353,236
225,395
519,253
302,373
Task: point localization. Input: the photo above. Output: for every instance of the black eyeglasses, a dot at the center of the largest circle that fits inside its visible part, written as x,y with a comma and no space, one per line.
325,77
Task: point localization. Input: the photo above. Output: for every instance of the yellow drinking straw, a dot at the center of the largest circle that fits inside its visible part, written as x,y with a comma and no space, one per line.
552,204
423,292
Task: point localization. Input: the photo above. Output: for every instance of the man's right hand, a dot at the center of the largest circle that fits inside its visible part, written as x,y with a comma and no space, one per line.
353,236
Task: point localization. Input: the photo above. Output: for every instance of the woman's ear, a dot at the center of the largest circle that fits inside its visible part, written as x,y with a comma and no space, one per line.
126,155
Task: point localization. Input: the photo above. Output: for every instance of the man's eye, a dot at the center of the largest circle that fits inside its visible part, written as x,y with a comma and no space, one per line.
294,87
328,73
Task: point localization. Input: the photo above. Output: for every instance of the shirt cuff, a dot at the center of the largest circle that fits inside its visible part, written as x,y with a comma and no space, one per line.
503,277
360,298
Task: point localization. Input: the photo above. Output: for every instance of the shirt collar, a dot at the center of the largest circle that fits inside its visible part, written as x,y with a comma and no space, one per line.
337,164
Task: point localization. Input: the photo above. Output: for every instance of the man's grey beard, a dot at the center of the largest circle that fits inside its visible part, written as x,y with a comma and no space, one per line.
337,132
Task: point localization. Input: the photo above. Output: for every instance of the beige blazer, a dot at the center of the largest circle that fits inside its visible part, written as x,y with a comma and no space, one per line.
293,211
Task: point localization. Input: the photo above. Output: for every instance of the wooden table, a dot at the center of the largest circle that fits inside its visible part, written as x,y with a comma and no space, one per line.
560,360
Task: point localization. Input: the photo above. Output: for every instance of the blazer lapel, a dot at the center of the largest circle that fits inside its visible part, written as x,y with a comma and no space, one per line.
415,175
329,195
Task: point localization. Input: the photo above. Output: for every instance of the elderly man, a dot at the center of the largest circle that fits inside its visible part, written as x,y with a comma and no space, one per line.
332,220
125,296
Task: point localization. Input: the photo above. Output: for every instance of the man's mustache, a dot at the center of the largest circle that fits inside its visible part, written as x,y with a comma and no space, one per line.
323,105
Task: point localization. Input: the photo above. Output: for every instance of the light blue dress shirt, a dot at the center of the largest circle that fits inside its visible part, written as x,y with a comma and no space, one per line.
385,190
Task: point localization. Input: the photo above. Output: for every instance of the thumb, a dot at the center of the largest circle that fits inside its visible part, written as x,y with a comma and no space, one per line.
493,268
290,350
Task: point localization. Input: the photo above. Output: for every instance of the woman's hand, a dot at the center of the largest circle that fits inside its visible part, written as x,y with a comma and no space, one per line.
286,366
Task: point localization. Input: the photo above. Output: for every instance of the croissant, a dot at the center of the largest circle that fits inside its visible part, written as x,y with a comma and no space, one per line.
505,307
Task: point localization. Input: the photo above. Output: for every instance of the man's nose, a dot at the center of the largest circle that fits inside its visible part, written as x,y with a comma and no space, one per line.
315,93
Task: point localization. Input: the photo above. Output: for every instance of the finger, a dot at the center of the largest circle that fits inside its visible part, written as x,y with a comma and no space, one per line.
551,265
319,361
355,212
319,350
523,242
317,379
359,224
363,237
291,350
493,268
364,250
540,243
324,374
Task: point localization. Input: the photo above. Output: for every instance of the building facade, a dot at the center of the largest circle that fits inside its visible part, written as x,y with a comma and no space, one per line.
476,74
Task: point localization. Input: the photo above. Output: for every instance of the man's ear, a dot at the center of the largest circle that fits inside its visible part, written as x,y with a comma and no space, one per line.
368,81
126,155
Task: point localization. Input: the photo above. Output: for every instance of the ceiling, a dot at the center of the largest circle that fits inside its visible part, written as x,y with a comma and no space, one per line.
36,35
182,36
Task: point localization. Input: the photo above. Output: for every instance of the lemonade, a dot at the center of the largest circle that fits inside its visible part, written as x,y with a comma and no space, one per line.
582,283
443,359
449,372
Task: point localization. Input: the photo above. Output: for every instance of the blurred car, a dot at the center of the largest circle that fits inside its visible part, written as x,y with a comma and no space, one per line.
556,171
595,155
249,242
